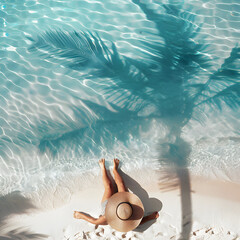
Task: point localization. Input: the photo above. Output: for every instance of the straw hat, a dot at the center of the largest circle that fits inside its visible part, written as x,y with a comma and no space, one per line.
124,211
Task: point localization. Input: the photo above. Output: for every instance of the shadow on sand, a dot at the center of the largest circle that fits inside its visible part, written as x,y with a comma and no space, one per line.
176,175
15,204
150,204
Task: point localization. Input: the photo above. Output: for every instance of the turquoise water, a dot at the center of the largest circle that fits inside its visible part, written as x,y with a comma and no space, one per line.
150,83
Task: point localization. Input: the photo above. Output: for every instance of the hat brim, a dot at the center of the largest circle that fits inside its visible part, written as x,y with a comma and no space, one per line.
111,215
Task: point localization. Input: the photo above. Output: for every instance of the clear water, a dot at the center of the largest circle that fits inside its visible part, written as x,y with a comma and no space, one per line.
167,89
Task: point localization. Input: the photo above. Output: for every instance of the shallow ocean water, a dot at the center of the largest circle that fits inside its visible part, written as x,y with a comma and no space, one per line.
167,91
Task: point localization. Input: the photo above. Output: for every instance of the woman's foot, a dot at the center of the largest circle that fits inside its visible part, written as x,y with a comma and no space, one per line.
153,215
77,215
102,163
116,163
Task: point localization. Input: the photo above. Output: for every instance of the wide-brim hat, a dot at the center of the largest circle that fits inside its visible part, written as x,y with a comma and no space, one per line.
124,211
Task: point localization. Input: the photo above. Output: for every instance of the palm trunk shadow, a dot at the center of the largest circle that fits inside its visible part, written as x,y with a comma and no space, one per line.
186,202
176,175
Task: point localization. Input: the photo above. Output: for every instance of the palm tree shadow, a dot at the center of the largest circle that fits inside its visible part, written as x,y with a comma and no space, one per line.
11,204
176,106
182,95
150,204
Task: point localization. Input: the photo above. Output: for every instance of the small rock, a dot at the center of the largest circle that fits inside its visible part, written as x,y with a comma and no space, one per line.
118,234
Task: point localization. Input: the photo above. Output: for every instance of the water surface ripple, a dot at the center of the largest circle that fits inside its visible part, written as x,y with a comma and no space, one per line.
56,116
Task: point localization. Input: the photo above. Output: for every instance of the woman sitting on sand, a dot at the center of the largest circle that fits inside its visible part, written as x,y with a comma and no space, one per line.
122,210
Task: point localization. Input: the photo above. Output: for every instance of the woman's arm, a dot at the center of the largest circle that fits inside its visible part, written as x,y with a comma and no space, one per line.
98,221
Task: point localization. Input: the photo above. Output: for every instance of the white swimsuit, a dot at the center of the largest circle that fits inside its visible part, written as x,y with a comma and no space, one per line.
103,207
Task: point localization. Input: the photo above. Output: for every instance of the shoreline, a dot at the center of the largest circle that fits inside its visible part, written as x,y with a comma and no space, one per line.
203,208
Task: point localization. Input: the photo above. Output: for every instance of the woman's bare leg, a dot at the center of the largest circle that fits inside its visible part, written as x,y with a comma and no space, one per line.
108,192
118,179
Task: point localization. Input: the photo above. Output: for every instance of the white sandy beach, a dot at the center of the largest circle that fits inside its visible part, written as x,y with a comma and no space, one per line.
212,212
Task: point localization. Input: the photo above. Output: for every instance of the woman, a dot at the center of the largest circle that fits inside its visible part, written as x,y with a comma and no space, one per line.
123,211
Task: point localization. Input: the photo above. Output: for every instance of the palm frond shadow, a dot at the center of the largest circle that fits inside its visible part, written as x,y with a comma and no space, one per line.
15,203
86,50
74,50
95,136
22,234
223,86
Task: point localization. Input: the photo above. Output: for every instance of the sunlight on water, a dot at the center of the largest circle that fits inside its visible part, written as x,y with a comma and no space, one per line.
82,80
